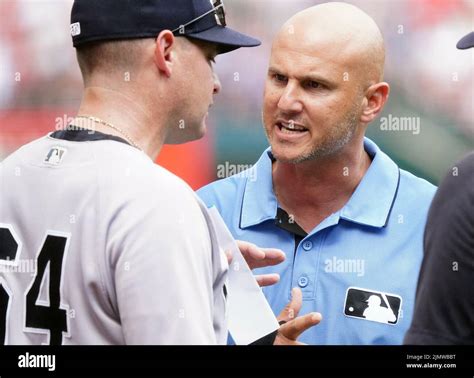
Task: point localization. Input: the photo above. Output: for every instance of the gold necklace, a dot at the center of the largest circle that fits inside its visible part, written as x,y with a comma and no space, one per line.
102,122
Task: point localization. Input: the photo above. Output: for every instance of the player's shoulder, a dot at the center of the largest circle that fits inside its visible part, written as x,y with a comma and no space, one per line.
131,173
23,153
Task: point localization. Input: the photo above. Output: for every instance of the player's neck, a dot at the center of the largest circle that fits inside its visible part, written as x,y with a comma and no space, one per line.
124,111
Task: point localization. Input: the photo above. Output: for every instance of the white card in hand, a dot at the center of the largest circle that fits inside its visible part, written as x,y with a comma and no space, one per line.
248,312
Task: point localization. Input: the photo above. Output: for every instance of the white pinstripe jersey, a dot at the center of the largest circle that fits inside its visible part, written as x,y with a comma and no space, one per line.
98,245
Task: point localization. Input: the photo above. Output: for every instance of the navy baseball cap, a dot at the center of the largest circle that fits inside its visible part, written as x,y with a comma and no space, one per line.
466,42
105,20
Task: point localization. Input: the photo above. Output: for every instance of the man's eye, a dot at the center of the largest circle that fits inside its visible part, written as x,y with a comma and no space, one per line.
313,84
280,78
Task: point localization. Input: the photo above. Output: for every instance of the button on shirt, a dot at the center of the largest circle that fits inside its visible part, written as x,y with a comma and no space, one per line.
358,267
307,245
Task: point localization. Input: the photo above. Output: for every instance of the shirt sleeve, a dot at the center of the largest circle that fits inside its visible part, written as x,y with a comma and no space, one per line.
444,310
161,262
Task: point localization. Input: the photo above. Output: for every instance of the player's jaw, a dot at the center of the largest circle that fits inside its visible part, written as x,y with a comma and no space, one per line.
200,84
202,128
188,128
201,118
207,78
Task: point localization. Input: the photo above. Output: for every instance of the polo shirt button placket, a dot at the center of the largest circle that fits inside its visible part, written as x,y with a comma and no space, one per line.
307,245
303,281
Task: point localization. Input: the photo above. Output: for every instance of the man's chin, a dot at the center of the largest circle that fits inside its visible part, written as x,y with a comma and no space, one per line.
289,155
186,136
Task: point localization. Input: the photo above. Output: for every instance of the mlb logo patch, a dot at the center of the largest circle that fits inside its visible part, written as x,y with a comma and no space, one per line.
372,305
55,156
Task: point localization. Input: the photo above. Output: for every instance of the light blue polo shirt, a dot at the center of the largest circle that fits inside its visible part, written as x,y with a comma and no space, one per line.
358,267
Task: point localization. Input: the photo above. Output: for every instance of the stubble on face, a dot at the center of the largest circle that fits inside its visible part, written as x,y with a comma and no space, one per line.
333,142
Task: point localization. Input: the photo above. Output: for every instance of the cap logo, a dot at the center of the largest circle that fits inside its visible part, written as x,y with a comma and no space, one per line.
75,29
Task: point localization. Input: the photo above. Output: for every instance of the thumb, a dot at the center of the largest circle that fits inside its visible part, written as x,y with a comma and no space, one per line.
296,327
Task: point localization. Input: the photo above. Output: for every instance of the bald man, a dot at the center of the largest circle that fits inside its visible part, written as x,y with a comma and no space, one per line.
349,220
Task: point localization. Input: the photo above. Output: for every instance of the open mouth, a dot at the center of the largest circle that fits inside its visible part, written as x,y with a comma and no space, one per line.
291,128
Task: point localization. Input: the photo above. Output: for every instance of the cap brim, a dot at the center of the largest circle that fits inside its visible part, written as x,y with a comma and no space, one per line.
466,42
226,38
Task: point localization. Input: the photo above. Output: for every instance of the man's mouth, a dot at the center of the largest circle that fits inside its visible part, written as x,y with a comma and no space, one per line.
289,127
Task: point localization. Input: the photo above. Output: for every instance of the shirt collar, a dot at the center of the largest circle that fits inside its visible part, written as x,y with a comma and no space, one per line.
370,204
84,135
259,202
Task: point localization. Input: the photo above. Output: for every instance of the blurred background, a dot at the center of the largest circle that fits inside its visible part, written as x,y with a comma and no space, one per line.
430,79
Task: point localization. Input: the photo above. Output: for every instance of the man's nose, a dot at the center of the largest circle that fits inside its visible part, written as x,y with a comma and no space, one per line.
289,100
217,83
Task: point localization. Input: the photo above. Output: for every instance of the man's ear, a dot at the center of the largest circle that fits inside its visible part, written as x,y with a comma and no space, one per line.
375,98
165,43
